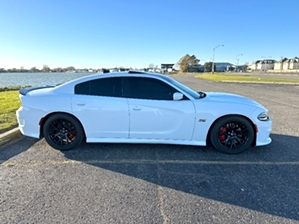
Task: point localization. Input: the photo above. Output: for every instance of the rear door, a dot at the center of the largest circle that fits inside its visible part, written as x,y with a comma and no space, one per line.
102,110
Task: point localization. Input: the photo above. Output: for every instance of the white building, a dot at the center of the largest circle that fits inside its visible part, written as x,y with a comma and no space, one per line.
263,65
222,66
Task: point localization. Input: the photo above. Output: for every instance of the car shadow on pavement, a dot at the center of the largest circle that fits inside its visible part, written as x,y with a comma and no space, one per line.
15,147
264,179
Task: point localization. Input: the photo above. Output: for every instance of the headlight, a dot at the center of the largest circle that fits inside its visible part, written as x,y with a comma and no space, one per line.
263,116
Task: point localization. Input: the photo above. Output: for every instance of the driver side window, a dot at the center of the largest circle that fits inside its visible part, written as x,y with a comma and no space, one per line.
147,88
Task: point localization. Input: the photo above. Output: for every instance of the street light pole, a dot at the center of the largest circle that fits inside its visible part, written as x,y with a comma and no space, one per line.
237,57
203,64
214,56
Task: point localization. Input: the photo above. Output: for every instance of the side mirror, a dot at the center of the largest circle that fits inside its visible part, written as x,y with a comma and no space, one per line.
177,96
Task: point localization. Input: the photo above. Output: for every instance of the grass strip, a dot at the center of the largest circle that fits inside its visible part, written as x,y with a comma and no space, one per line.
9,103
9,88
216,77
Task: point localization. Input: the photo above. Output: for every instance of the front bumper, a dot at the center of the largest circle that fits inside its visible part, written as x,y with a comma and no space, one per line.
264,131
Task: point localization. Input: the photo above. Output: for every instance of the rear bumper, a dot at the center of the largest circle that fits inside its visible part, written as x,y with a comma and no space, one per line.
28,121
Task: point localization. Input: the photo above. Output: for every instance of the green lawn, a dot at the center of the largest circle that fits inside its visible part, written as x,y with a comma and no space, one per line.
220,77
9,103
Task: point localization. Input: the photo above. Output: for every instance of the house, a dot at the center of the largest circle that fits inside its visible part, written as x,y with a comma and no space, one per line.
279,64
263,65
254,65
267,64
286,64
294,63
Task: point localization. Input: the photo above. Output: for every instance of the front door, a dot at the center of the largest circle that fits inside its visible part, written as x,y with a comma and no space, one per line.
153,112
158,119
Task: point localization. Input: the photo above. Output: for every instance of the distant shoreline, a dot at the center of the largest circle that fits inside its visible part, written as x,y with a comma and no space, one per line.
16,80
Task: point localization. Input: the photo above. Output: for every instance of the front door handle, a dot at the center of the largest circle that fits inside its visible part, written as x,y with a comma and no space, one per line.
137,108
80,103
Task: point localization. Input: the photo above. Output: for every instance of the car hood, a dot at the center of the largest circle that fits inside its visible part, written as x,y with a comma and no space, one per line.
230,98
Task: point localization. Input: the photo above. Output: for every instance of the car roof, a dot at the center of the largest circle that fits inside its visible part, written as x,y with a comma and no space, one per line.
131,73
121,74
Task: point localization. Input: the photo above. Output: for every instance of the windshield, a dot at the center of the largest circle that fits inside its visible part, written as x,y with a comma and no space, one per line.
186,89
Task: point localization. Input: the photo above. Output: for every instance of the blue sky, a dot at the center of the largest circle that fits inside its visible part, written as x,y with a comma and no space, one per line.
136,33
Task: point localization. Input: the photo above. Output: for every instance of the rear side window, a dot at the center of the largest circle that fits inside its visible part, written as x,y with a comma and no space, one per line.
100,87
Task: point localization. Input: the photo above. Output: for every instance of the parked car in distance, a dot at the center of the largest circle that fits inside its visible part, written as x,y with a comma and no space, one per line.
140,107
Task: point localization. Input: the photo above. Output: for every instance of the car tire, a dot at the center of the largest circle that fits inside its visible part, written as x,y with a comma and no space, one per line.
232,134
63,132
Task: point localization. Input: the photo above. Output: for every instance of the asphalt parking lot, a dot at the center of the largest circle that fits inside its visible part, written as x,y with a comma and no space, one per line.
134,183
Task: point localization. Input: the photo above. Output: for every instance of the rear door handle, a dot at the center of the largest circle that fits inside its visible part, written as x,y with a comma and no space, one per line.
80,103
137,108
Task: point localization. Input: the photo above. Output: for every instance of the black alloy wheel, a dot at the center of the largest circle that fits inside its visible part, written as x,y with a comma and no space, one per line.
63,132
232,134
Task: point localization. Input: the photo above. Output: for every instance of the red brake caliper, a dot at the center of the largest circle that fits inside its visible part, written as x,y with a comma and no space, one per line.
221,134
72,135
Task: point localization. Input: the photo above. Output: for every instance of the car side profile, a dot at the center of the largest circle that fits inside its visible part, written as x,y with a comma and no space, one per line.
140,107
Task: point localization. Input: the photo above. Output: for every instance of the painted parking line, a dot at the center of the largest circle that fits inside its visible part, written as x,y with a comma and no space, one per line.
13,163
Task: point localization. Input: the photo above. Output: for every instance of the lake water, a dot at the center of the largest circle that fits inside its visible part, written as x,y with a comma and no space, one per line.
37,79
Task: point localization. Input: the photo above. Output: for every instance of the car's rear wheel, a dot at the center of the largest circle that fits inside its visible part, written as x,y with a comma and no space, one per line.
63,132
232,134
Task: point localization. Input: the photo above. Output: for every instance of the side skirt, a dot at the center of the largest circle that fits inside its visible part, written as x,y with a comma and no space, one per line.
145,141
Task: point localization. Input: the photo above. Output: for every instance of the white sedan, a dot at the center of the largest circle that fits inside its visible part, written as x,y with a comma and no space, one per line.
139,107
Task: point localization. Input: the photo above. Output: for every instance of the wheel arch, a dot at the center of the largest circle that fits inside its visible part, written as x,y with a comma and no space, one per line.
208,139
44,119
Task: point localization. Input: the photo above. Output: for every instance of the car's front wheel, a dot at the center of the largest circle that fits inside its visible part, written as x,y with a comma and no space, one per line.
63,132
232,134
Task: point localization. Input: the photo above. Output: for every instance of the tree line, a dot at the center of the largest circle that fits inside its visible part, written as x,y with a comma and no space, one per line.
187,63
45,68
